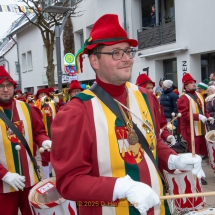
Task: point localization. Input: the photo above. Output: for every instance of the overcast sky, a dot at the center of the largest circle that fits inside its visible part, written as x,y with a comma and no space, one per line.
7,18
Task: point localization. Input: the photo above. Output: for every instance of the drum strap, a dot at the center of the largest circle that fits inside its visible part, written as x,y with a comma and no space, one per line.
113,106
15,130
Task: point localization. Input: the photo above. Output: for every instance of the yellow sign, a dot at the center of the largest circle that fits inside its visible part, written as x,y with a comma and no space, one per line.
69,59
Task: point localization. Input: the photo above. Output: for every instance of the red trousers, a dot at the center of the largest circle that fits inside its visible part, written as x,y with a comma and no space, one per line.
10,202
200,143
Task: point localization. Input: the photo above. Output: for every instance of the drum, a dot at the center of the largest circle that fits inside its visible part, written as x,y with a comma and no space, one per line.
184,183
44,199
210,142
208,211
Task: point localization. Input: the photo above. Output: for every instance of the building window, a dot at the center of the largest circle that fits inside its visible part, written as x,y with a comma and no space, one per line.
146,12
169,11
79,38
29,89
29,61
45,62
170,70
207,65
24,63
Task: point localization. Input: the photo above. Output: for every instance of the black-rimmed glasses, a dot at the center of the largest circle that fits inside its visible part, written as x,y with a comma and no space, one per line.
8,86
118,53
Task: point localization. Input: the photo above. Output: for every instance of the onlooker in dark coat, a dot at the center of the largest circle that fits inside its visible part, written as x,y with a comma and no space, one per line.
210,104
168,100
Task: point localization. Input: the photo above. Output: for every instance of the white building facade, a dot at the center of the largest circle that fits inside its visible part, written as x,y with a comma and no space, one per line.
182,41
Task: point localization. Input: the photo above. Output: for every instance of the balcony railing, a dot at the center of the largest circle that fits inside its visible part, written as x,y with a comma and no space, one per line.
155,36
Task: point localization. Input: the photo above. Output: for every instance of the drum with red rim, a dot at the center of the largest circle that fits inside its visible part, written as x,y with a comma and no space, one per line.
44,199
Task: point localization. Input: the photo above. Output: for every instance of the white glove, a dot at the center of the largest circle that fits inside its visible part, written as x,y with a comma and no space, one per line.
187,162
171,139
47,144
14,180
56,99
211,119
137,193
202,118
161,131
42,99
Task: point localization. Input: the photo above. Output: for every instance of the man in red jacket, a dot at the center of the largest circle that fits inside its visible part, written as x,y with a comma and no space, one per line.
144,81
17,178
200,116
98,158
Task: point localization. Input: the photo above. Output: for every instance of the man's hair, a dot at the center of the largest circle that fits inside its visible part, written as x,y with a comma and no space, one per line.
96,49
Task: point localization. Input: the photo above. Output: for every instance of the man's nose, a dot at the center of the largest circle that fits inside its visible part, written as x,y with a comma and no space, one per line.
125,57
5,88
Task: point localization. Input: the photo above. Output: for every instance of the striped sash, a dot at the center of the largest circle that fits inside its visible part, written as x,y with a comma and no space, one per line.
9,155
199,126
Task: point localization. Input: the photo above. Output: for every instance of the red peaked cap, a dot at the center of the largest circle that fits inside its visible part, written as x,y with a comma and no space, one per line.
4,75
29,94
18,91
143,80
50,89
187,78
42,90
74,85
106,31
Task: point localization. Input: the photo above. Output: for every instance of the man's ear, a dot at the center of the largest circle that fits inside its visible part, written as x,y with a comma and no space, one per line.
93,61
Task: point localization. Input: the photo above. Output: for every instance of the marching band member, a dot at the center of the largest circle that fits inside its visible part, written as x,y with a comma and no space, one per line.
55,98
144,81
17,178
48,110
200,116
18,93
103,165
74,88
30,98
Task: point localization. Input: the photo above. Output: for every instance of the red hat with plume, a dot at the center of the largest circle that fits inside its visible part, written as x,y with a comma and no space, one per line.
4,75
143,80
29,94
51,89
74,85
187,78
42,90
106,31
18,91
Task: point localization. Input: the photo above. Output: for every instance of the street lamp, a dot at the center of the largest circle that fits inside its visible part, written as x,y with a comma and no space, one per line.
58,31
146,70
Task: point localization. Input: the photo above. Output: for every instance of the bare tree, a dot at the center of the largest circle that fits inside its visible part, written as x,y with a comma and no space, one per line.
45,23
68,37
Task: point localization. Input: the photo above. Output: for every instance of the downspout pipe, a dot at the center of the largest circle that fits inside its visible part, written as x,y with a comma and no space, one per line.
157,12
20,78
7,64
124,16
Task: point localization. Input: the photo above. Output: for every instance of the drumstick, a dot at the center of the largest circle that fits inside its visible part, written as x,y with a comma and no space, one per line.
42,149
192,129
173,119
18,147
187,195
